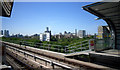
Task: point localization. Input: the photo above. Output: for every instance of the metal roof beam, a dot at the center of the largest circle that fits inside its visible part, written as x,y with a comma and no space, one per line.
107,8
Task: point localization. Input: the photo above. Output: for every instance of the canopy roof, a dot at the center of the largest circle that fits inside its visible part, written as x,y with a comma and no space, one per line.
6,7
110,12
105,10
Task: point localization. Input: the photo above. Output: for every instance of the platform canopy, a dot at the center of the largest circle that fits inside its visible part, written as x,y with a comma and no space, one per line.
6,7
110,12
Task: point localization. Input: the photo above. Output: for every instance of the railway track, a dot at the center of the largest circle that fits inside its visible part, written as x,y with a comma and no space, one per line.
57,58
14,63
50,63
26,62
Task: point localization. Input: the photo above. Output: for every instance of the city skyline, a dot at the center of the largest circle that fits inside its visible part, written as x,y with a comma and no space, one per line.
47,29
33,18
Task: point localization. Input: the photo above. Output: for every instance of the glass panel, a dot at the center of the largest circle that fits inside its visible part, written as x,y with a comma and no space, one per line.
105,39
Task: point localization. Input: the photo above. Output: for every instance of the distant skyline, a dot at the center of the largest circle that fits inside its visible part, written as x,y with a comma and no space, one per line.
30,18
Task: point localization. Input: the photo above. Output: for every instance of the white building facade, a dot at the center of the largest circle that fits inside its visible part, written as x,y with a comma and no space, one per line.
46,36
81,33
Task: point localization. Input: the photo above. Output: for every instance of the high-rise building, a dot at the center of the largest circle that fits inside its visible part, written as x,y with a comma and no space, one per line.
6,33
81,33
47,29
65,32
1,33
103,32
76,32
46,36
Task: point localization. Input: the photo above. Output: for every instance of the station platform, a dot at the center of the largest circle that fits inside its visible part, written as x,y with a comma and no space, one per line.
112,52
108,57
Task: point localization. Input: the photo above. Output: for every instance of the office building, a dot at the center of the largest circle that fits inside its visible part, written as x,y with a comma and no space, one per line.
103,32
1,33
76,32
6,33
65,32
81,33
46,36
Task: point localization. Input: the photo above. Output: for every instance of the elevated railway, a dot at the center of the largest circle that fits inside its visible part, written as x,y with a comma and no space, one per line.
50,59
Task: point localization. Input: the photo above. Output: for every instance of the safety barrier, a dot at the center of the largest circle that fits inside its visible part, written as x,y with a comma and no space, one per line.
40,58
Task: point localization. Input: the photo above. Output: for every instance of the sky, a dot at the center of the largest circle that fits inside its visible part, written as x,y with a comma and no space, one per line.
30,18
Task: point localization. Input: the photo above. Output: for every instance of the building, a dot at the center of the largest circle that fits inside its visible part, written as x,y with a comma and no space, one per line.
6,33
76,32
1,33
35,36
59,36
66,35
81,33
65,32
103,32
17,35
111,46
89,35
46,36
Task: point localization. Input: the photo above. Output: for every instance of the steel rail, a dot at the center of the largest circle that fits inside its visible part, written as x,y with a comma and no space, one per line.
41,58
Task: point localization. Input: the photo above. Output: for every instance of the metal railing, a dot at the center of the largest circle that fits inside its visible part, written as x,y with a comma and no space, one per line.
75,47
52,63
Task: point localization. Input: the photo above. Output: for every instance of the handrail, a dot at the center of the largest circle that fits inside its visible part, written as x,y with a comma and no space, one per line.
41,58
